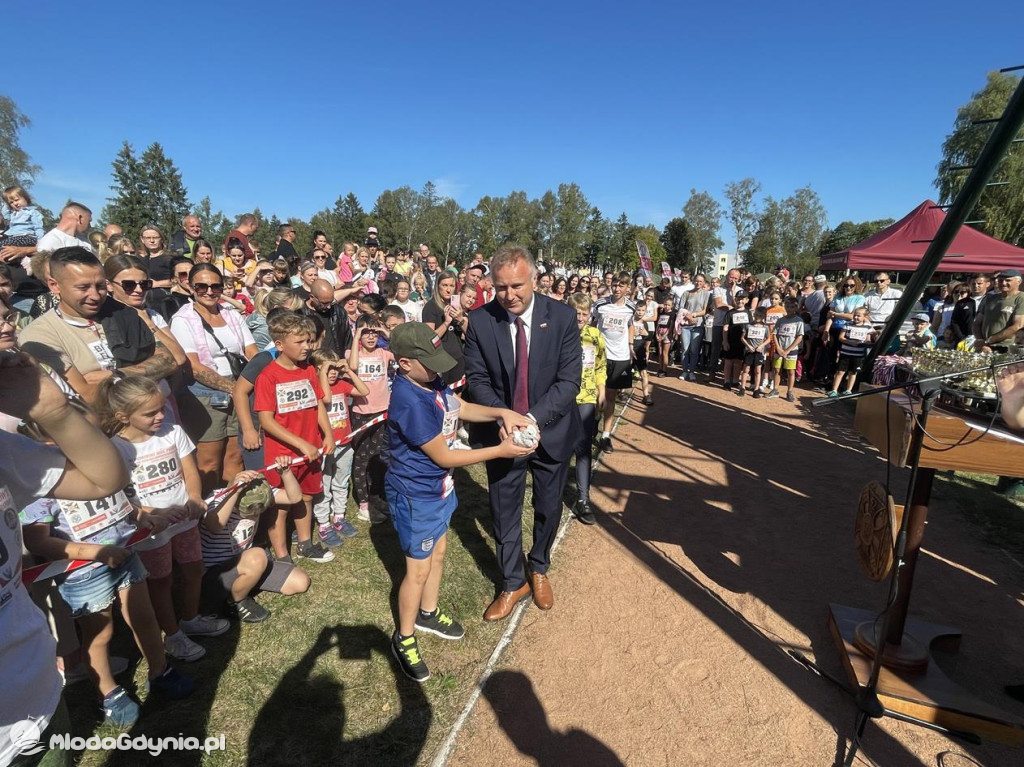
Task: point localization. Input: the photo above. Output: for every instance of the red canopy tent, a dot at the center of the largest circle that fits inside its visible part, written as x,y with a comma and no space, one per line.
899,248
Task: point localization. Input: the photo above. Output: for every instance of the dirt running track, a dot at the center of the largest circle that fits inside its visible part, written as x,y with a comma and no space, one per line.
726,530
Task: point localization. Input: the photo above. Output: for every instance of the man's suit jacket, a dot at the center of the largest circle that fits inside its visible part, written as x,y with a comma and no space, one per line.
556,367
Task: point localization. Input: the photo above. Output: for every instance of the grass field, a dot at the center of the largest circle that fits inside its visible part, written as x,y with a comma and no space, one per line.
316,684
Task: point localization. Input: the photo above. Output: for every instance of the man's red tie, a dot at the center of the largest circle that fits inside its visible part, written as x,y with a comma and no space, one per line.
521,394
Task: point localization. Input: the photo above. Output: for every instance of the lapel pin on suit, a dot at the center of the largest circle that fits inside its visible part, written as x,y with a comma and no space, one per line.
543,325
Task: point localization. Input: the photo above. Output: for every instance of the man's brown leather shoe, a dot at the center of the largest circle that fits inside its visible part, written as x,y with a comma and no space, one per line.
543,597
501,607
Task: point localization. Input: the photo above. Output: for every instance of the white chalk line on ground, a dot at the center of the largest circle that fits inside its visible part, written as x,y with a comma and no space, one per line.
444,753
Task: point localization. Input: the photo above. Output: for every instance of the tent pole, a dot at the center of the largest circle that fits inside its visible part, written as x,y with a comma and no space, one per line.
1003,134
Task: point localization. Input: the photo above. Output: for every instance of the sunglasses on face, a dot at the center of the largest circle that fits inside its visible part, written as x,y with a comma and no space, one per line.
181,276
129,286
202,288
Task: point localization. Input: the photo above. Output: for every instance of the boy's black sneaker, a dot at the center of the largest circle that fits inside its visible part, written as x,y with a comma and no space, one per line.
249,610
440,625
407,653
581,510
648,401
314,552
604,444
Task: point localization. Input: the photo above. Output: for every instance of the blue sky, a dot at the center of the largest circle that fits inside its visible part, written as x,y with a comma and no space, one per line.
284,106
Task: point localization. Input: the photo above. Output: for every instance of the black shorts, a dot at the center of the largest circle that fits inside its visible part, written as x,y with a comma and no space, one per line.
734,352
218,579
639,358
753,359
620,374
849,363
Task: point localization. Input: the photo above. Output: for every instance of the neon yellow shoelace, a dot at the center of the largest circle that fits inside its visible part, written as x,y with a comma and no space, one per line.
411,652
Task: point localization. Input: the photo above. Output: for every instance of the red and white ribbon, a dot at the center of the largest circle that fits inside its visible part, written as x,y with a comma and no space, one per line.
351,435
49,570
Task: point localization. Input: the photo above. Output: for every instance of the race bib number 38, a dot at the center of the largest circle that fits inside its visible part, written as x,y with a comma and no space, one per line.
295,395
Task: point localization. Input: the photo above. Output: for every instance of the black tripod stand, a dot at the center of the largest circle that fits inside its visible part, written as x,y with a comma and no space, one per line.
868,704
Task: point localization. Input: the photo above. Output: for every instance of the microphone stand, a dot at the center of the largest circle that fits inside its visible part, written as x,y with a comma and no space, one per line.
868,704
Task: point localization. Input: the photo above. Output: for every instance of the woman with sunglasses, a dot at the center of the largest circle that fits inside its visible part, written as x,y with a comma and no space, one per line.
129,284
217,344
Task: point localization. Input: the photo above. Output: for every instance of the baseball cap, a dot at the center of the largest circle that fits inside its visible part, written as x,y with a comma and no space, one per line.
1010,273
921,317
371,230
820,278
417,341
255,499
371,241
740,294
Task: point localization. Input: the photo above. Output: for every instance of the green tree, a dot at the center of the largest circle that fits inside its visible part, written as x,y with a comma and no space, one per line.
351,220
395,214
703,214
547,226
1000,207
848,233
570,224
147,190
675,239
805,220
742,213
449,231
266,235
16,167
765,251
621,244
789,233
598,238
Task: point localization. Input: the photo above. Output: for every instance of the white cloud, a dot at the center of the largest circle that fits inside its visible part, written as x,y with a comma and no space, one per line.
449,187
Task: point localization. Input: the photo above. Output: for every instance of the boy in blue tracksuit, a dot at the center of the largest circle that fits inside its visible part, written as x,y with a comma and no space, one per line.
423,419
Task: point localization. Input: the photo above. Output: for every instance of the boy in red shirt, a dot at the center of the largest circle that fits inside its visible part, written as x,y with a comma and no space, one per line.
288,400
338,382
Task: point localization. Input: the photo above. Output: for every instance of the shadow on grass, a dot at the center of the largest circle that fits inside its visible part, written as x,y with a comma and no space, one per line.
521,715
304,719
158,717
472,516
389,552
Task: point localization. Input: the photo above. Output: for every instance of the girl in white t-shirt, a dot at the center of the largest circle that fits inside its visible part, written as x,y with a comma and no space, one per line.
162,461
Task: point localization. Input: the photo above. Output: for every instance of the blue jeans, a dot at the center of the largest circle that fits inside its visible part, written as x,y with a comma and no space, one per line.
689,347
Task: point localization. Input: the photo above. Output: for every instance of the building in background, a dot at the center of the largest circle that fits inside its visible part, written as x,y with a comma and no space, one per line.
723,263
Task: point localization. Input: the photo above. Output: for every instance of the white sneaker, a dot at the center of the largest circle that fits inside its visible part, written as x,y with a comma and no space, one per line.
205,626
683,377
458,444
363,515
180,647
80,673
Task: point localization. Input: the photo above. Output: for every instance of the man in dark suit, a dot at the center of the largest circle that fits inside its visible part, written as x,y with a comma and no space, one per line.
523,352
